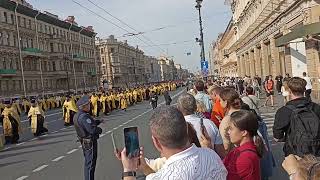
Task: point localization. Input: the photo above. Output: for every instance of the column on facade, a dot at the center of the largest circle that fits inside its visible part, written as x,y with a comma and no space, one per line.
264,56
313,61
276,64
242,69
256,56
239,69
252,63
243,65
247,60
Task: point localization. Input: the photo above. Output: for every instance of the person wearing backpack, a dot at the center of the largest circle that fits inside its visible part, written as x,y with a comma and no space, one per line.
269,86
298,122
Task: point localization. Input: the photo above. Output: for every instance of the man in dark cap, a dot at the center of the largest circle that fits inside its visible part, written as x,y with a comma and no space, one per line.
88,132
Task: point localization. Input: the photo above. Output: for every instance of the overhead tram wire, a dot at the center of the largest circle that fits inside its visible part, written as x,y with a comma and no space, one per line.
109,21
168,44
126,24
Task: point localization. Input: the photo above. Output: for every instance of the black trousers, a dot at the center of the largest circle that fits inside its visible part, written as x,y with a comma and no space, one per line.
90,160
308,94
154,104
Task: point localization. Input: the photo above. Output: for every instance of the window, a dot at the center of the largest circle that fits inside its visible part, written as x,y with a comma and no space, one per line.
112,50
19,20
24,22
5,15
12,19
53,66
51,47
29,24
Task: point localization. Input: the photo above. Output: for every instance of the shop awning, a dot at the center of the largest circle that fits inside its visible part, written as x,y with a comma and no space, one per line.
299,32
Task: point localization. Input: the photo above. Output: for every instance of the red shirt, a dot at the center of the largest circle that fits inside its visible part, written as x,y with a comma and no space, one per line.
243,163
217,113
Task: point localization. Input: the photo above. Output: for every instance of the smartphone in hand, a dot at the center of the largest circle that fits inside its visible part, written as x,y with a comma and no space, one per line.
131,141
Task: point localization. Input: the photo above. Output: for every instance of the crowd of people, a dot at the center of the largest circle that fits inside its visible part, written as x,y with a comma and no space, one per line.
11,110
216,132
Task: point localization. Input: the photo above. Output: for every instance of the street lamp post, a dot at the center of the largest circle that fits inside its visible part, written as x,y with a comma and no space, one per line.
38,46
201,40
20,53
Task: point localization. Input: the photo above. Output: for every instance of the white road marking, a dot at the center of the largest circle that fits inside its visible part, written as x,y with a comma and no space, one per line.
63,129
80,146
54,132
22,178
101,135
115,128
72,151
33,139
108,132
58,159
45,135
20,143
40,168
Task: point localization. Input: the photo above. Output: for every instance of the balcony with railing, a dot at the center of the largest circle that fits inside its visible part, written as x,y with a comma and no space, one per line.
32,52
8,72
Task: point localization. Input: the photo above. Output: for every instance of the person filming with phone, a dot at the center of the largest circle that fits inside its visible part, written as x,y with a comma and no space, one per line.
170,137
88,132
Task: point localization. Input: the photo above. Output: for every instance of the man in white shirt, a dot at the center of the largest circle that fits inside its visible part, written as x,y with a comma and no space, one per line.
308,86
251,100
187,104
184,161
202,96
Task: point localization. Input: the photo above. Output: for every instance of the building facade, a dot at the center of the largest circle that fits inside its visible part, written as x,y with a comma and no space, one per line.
277,37
41,54
122,65
152,70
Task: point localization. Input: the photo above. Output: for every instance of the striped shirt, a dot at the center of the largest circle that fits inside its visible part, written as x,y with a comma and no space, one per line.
192,164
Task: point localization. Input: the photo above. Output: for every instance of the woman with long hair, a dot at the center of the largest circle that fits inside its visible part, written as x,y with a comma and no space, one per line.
243,162
230,102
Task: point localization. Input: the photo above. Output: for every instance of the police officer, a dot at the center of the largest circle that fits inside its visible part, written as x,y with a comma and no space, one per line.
88,132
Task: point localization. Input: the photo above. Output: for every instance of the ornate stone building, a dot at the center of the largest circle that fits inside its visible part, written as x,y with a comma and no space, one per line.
226,60
277,37
122,65
152,69
41,54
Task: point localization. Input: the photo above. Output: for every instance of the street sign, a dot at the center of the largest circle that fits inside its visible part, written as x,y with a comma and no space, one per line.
204,68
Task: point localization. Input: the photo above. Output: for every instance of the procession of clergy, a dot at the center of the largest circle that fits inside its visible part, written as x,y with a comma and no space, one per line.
102,101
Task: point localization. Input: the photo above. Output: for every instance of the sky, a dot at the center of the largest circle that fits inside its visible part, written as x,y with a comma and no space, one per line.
179,17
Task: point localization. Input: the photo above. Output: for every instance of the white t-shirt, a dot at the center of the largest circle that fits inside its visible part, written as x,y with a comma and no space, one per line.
309,84
211,128
252,101
192,164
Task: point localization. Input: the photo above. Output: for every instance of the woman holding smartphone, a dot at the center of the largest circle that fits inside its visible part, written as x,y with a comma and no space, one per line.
243,162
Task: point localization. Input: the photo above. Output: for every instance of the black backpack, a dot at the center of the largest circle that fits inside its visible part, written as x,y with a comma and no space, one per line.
304,132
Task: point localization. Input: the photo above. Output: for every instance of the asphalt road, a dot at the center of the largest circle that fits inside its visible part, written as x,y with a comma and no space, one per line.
57,155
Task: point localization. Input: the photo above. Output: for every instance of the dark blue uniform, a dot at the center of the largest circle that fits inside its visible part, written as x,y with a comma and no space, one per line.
88,132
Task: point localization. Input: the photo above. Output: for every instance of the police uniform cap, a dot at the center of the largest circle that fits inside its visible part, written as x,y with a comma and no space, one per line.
7,102
83,101
33,101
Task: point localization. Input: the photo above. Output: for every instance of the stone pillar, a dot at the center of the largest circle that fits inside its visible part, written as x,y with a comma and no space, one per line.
247,60
265,61
239,66
276,64
252,63
256,54
243,66
313,64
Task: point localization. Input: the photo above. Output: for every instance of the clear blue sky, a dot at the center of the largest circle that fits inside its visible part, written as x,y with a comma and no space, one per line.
145,15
